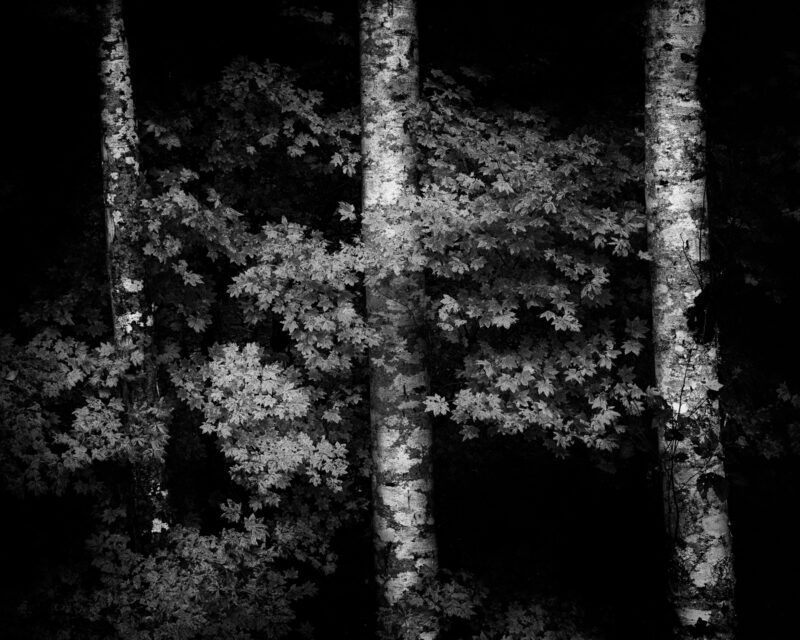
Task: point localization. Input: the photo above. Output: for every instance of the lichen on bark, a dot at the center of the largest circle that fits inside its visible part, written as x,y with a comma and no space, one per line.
695,502
405,547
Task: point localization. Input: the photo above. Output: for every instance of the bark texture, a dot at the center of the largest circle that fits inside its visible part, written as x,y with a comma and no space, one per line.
131,314
405,546
695,502
121,183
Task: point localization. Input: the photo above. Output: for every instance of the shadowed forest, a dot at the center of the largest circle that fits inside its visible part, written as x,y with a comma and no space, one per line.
391,319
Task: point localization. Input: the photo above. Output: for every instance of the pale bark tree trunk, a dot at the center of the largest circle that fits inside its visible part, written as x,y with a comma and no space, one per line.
405,546
695,503
131,314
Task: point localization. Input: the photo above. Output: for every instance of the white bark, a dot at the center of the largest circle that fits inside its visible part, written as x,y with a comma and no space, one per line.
402,488
695,503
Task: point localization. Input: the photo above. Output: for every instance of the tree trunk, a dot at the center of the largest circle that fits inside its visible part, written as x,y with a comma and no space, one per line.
131,315
695,502
405,546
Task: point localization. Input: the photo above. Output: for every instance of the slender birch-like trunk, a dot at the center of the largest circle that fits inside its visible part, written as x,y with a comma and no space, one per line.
405,546
695,502
131,314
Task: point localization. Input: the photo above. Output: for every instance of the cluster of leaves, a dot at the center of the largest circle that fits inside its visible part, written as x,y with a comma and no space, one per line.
261,340
258,137
464,608
312,289
281,419
262,418
545,620
63,413
248,149
524,236
527,235
231,584
281,415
